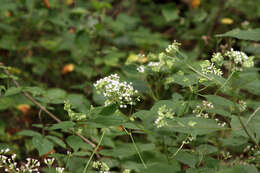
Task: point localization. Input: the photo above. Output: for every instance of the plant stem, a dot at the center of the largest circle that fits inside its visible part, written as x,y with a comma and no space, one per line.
225,82
135,146
247,132
95,150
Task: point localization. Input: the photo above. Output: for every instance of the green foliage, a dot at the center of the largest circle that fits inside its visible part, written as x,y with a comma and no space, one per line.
104,85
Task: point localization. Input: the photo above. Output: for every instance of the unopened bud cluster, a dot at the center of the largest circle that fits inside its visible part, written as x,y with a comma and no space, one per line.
101,166
163,115
116,92
242,105
162,62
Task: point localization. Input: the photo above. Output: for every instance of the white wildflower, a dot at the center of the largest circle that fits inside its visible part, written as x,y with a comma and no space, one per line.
210,68
141,69
116,92
240,59
59,169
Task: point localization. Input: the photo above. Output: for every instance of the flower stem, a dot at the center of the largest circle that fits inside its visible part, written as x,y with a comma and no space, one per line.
135,146
95,150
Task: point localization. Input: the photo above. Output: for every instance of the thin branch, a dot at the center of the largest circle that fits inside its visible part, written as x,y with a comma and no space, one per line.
28,96
252,115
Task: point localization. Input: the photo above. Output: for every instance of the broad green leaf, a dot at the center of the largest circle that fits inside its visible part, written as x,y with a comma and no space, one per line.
42,144
253,34
64,125
170,13
12,91
29,133
187,158
35,91
76,143
240,169
56,95
162,167
5,102
57,141
108,110
206,149
221,101
79,102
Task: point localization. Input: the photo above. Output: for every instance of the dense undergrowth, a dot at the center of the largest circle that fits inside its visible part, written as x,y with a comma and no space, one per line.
130,86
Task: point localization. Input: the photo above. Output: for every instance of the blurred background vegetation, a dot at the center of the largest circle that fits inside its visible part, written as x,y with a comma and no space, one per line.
58,48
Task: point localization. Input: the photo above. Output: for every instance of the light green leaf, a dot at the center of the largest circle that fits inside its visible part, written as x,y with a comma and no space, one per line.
64,125
12,91
253,34
42,144
57,141
29,133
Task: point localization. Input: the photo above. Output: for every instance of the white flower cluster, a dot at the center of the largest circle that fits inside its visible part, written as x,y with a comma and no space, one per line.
200,111
217,58
49,161
242,105
208,67
188,140
173,48
162,62
163,115
116,92
101,166
11,165
59,170
32,165
141,69
127,171
240,59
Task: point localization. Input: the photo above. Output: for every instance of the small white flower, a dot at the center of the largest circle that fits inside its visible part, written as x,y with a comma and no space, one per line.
141,69
116,92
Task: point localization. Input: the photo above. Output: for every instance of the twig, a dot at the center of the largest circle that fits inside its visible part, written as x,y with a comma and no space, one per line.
28,96
252,115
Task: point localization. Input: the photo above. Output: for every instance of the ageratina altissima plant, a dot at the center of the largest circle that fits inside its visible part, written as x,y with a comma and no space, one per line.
117,92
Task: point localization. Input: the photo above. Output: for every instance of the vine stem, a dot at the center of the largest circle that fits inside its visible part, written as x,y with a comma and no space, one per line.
136,148
95,150
29,97
252,115
228,79
247,132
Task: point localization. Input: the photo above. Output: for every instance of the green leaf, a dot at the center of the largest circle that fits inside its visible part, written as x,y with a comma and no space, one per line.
64,125
57,141
253,34
56,95
187,158
76,143
42,144
13,91
162,167
35,91
170,13
108,110
221,101
240,169
5,102
29,133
